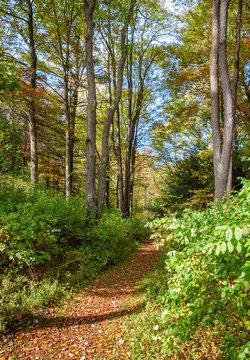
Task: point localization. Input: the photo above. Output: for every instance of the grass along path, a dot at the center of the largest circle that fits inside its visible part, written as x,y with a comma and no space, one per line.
87,326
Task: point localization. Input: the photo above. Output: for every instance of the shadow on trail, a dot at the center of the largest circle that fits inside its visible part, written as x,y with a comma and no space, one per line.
70,321
113,285
126,281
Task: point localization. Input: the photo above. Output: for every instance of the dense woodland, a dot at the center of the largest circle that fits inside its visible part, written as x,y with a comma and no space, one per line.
121,120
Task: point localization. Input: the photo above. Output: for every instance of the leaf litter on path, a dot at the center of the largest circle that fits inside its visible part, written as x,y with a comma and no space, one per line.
87,326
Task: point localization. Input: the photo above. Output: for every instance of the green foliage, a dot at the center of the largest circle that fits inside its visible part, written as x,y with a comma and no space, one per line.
187,183
206,275
11,147
20,296
43,235
8,79
35,227
111,241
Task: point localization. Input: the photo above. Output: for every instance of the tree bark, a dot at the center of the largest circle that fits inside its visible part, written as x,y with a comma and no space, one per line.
234,88
116,139
105,138
117,144
32,105
130,129
73,108
89,7
215,101
228,101
65,65
110,114
107,191
68,175
119,161
222,146
132,182
133,120
131,136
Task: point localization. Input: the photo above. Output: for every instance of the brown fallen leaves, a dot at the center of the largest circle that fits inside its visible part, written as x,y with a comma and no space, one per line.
87,326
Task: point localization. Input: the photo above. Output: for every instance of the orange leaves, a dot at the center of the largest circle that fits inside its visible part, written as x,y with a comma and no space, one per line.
90,324
192,74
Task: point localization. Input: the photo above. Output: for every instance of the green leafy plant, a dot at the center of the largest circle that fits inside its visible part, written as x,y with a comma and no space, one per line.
39,231
206,274
20,296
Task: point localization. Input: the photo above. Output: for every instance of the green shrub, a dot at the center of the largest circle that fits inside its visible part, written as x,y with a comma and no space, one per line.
111,240
39,231
20,296
206,275
187,183
35,228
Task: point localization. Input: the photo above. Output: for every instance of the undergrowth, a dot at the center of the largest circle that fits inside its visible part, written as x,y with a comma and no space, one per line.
47,247
20,296
198,305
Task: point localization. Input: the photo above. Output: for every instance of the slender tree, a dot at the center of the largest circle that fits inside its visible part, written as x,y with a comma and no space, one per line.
63,48
32,106
222,144
109,118
25,27
146,54
235,87
89,7
110,113
142,33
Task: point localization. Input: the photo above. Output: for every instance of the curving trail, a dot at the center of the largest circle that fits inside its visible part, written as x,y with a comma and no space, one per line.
87,326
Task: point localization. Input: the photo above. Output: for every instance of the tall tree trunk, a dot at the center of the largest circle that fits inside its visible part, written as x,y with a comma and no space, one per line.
32,105
89,7
65,65
230,176
131,137
119,161
73,109
105,141
215,101
222,147
228,100
117,193
116,139
68,182
133,120
234,88
107,191
110,114
132,182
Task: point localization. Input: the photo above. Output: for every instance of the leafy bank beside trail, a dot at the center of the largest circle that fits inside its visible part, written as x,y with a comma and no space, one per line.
198,299
193,306
107,121
47,247
89,325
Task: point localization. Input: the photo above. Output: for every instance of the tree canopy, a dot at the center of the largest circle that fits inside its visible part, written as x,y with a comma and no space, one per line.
114,113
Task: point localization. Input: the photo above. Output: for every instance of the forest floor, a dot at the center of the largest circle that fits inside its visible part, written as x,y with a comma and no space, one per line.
89,325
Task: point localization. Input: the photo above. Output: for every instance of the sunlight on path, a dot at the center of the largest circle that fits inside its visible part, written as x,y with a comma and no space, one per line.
87,326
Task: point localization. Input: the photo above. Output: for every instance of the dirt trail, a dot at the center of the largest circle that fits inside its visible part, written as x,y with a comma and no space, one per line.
87,326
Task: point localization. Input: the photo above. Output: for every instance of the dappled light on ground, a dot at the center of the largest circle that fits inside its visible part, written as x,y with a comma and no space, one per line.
86,326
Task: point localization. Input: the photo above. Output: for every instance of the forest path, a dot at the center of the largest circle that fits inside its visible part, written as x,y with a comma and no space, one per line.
87,326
